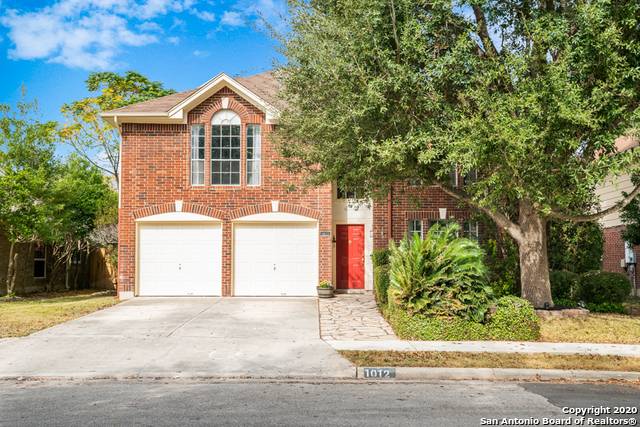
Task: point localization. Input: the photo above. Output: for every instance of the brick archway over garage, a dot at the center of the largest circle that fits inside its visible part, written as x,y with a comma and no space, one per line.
268,208
186,207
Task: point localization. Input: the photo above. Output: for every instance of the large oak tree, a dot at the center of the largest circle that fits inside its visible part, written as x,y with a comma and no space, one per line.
532,94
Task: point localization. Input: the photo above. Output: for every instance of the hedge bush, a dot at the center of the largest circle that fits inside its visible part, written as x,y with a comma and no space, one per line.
606,307
381,284
380,257
514,319
604,287
564,284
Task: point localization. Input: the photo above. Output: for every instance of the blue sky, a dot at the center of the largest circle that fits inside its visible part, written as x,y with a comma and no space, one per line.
51,46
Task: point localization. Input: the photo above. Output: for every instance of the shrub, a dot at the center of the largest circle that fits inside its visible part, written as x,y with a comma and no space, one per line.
606,307
420,327
502,260
380,257
565,303
514,319
564,285
604,287
442,275
576,247
381,284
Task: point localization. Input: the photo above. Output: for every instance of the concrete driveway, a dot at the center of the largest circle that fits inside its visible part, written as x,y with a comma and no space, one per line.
181,337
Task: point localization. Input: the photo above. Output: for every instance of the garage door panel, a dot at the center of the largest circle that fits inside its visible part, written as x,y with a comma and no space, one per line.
291,248
179,259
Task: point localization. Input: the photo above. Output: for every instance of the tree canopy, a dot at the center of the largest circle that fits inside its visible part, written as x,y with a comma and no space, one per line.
94,139
531,94
42,198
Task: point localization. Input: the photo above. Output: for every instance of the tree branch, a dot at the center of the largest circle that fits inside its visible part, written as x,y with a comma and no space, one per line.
500,219
483,31
597,215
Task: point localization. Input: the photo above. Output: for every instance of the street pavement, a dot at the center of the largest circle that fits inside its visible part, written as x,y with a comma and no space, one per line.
162,403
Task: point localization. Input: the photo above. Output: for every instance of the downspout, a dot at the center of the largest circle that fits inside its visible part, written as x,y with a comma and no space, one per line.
389,215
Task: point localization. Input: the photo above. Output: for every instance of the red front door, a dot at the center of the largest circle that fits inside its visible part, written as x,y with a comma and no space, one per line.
350,256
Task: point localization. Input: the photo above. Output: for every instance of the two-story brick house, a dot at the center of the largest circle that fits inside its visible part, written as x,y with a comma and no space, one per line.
205,210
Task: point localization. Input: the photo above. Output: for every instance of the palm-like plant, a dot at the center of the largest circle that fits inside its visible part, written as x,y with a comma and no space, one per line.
442,275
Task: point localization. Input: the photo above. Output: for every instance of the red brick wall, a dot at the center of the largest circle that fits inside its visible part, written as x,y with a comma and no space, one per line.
412,202
614,251
155,173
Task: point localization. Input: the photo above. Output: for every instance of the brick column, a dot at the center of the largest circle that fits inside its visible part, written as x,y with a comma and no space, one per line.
226,258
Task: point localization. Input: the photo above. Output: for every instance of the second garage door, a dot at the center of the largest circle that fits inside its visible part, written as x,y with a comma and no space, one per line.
275,259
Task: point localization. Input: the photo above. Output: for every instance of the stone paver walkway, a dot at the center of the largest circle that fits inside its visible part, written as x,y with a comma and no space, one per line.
352,317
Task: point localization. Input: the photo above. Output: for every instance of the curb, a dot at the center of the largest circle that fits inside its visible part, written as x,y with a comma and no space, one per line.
408,374
495,374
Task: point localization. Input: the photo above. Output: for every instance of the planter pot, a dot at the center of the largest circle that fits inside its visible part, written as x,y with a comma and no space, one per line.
325,292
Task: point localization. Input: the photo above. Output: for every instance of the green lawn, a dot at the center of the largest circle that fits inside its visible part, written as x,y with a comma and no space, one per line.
24,316
597,328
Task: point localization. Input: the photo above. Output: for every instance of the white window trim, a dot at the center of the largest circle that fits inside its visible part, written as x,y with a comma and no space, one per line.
420,232
191,159
259,153
43,259
230,118
476,228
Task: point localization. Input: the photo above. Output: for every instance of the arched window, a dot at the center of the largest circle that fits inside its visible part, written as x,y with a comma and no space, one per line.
225,148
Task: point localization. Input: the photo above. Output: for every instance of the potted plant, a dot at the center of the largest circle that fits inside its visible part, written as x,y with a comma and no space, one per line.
325,289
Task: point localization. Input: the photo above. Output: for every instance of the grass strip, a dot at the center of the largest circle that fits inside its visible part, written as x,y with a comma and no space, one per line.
437,359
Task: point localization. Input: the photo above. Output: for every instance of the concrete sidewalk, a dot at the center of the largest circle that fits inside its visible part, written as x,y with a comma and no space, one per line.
489,347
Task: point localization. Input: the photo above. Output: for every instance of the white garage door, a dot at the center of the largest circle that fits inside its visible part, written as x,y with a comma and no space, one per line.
180,259
275,259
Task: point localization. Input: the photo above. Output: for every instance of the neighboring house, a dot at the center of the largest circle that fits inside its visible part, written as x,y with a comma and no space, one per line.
616,256
34,266
204,209
38,271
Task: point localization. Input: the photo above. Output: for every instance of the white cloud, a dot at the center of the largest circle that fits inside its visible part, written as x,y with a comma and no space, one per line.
86,34
257,12
174,40
232,19
150,26
204,15
178,23
201,53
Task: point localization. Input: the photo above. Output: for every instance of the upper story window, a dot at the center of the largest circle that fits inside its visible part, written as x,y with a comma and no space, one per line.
197,155
470,177
453,177
225,148
415,228
254,143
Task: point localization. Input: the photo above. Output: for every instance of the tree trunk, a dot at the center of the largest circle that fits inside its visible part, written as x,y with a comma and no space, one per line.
534,260
10,268
12,284
66,274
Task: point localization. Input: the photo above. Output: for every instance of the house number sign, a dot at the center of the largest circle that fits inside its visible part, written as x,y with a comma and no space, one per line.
325,233
379,373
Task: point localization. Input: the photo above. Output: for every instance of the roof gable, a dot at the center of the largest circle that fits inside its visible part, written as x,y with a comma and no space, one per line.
260,90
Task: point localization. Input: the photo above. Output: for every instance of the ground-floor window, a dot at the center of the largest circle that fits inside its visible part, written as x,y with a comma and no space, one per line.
40,262
415,228
470,230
